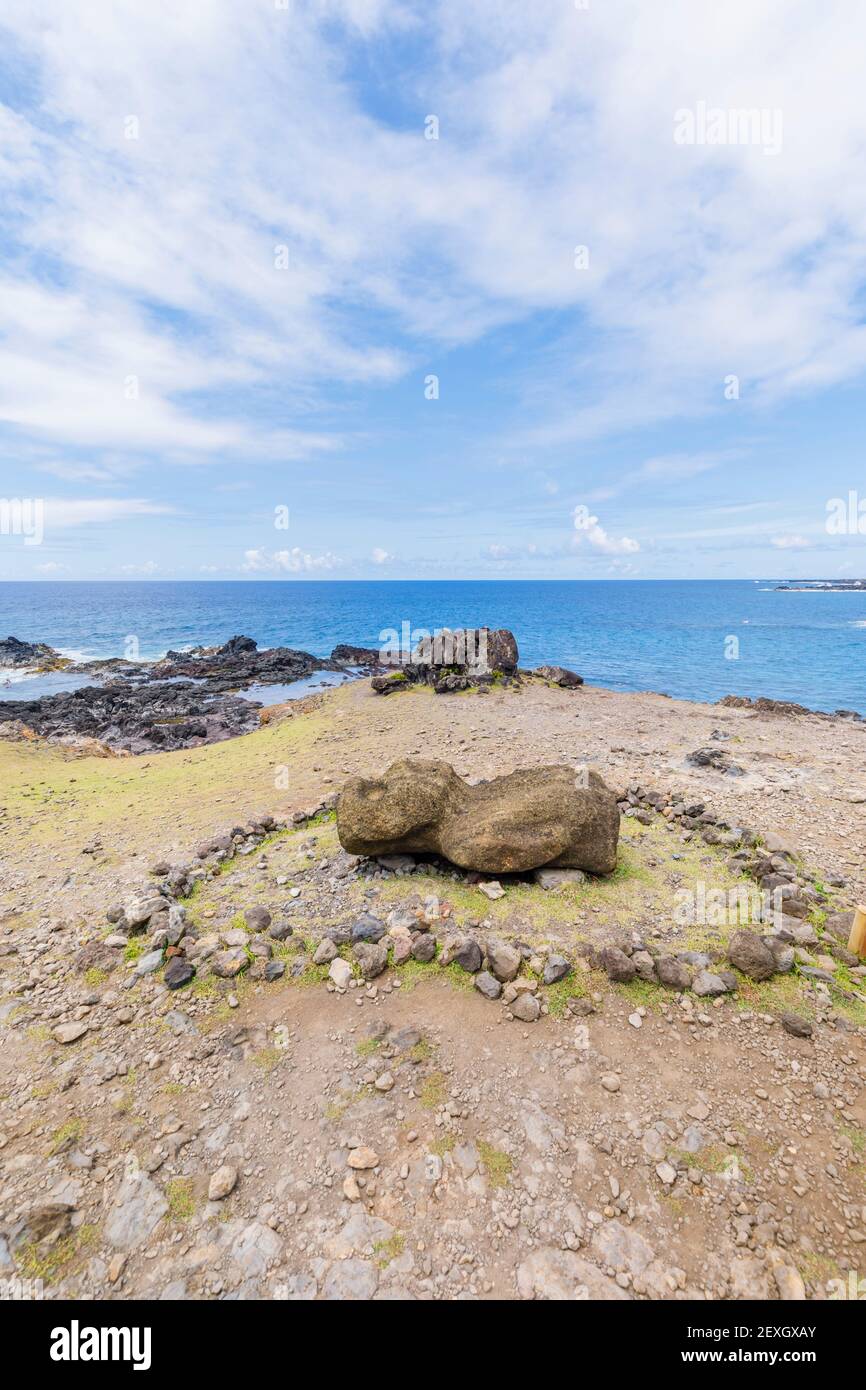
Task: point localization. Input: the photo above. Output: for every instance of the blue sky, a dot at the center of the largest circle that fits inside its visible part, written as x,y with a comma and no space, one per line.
232,260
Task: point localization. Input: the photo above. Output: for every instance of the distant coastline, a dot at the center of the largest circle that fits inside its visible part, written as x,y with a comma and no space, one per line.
823,586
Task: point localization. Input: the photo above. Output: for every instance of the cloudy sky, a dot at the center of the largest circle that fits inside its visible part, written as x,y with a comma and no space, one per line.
423,288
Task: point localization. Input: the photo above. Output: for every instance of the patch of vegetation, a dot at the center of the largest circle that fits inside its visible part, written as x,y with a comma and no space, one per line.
853,1009
856,1139
69,1133
724,1162
94,977
445,1144
644,994
181,1199
323,818
47,1262
368,1046
267,1059
434,1089
414,972
134,948
497,1164
815,1268
310,975
336,1109
777,995
387,1250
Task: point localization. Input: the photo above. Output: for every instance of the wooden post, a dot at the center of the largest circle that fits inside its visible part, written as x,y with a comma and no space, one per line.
857,939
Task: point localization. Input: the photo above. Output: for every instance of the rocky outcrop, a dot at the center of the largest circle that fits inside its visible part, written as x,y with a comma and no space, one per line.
237,664
453,661
181,701
14,652
344,654
559,675
537,816
762,705
475,649
135,719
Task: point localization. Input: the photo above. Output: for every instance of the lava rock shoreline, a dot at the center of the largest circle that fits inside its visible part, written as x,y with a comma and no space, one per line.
181,701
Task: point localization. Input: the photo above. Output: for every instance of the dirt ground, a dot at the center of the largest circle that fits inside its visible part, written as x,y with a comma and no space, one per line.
657,1146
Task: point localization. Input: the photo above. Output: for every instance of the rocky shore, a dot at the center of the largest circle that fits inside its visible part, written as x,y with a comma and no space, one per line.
184,700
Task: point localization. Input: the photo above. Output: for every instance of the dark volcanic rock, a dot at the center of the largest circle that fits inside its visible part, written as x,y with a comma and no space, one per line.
185,699
559,675
618,966
344,654
178,972
750,954
238,664
716,758
795,1024
137,719
14,652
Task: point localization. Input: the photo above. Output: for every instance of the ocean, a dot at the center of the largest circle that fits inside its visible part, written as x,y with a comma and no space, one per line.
696,640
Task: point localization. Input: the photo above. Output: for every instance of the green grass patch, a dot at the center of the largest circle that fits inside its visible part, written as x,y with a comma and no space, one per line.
68,1134
384,1251
267,1059
180,1196
498,1165
48,1262
434,1090
444,1144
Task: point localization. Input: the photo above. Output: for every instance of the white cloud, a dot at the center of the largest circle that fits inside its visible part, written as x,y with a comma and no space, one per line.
254,133
791,543
587,527
294,561
380,556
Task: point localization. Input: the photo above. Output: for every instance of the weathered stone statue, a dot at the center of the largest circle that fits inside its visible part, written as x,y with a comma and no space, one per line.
552,816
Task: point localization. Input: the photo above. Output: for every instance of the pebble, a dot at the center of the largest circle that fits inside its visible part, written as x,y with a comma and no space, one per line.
222,1182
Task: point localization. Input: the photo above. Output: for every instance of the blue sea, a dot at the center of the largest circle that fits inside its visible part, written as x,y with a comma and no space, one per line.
696,640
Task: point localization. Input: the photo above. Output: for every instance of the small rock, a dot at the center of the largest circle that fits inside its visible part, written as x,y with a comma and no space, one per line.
68,1032
526,1008
556,968
492,889
325,952
363,1157
222,1182
340,972
178,972
487,985
795,1024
